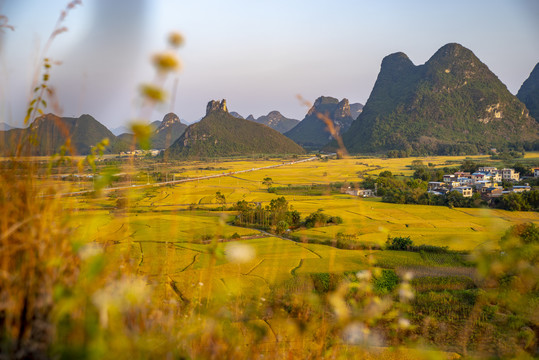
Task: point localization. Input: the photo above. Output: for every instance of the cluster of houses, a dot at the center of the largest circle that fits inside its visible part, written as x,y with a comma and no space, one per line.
152,152
486,181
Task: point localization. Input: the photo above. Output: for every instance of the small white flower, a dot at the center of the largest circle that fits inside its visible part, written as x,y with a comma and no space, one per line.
119,296
355,333
364,275
404,323
358,334
405,292
408,276
201,284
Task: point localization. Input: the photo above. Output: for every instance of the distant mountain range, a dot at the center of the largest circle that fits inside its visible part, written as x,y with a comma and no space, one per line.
120,130
49,132
312,132
164,133
276,121
221,134
168,131
235,114
529,93
355,110
452,104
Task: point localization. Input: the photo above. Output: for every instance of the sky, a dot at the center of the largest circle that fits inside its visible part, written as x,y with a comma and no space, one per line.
257,54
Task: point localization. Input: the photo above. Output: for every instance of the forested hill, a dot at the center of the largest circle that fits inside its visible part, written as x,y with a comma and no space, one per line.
276,121
221,134
529,93
48,133
312,132
452,104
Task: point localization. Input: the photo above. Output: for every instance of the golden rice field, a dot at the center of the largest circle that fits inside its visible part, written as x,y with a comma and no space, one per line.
170,240
369,219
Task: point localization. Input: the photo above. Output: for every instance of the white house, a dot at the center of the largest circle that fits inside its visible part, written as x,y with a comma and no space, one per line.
449,178
494,176
510,175
487,169
466,191
464,181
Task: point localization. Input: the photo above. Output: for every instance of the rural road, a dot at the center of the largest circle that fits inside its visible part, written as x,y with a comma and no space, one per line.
189,179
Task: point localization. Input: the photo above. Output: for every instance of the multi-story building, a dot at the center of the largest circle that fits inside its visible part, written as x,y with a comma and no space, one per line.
436,185
478,176
484,184
464,180
449,178
466,191
487,169
510,175
494,176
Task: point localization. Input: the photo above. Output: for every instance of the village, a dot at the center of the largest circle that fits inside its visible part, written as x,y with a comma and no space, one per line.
487,181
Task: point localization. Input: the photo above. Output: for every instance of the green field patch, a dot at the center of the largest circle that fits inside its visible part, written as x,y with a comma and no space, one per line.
450,306
443,259
441,283
423,271
392,259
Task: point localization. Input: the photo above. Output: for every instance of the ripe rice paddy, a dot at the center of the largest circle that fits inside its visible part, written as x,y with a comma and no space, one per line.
176,239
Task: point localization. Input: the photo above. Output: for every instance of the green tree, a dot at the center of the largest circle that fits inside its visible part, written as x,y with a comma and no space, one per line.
268,182
514,202
455,199
220,198
422,173
399,243
281,227
294,218
278,209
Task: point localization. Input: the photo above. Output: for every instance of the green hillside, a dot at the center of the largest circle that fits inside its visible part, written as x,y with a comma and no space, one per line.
168,131
221,134
49,132
312,132
163,134
452,104
529,93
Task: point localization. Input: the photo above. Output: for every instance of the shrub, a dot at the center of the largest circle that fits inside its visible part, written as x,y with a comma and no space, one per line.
399,243
386,282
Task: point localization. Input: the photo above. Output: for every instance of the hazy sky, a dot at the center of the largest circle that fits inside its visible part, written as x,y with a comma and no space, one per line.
257,54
